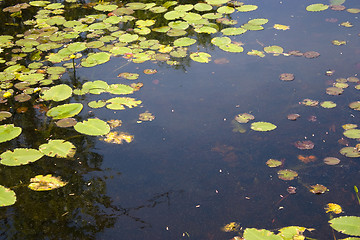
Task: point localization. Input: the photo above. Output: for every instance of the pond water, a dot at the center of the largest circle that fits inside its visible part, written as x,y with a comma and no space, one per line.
193,169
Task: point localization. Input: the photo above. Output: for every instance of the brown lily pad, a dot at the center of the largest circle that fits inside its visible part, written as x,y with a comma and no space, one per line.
22,97
355,105
337,7
334,91
150,71
311,54
287,174
66,122
286,77
318,189
296,53
293,116
307,144
353,79
331,161
244,117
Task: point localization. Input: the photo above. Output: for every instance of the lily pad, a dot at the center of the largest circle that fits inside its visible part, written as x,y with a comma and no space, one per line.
351,152
328,104
184,41
9,132
4,115
65,110
317,7
331,161
286,77
45,183
92,127
273,163
146,116
263,126
57,93
352,133
334,91
201,57
129,76
287,174
66,122
293,116
247,8
263,234
355,105
244,117
20,156
347,225
311,54
7,196
318,189
58,148
97,104
119,103
307,144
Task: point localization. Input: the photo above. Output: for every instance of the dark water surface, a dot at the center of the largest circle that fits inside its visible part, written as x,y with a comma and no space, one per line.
172,181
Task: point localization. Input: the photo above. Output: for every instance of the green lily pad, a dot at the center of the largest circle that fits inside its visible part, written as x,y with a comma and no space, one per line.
258,21
106,8
184,42
57,93
201,57
350,152
7,196
233,31
352,133
349,225
92,127
247,8
58,148
257,234
95,59
231,48
20,156
317,7
45,183
328,104
225,10
274,49
202,7
97,104
65,110
263,126
95,87
76,47
216,2
219,41
205,29
120,89
119,103
292,232
9,132
129,76
287,174
252,27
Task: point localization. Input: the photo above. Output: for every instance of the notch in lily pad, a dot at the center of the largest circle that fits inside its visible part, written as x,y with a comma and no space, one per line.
7,196
20,156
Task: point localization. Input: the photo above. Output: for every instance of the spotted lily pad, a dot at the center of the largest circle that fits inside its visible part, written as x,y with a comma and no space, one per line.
119,103
351,152
318,189
273,163
201,57
355,105
310,102
66,122
58,148
20,156
244,117
286,77
146,116
9,132
287,174
307,144
334,91
45,183
7,196
129,76
92,127
263,126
